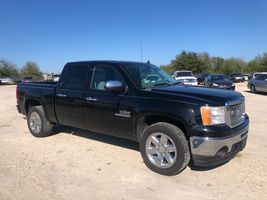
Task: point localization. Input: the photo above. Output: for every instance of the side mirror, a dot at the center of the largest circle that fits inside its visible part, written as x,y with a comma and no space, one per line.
115,86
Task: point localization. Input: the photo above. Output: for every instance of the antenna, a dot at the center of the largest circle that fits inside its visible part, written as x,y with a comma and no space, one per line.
141,51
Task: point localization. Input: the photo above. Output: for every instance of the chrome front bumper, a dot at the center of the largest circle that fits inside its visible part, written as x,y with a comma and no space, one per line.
209,151
208,146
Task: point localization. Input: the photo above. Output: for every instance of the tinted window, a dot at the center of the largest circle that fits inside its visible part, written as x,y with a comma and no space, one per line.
74,77
102,74
256,75
262,77
218,77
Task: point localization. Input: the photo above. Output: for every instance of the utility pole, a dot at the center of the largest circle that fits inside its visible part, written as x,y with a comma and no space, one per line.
141,51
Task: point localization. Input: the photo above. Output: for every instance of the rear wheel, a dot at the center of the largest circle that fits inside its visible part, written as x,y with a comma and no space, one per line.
164,148
253,89
38,125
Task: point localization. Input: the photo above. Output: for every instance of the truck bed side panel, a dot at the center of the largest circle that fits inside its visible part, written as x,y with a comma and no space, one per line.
43,93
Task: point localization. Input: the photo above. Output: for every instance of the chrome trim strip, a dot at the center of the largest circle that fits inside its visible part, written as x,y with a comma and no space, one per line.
234,102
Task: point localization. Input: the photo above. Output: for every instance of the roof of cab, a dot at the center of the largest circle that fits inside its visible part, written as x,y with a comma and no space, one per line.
118,62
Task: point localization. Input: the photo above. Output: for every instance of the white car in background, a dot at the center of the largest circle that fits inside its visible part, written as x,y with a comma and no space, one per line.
258,73
185,77
56,78
7,81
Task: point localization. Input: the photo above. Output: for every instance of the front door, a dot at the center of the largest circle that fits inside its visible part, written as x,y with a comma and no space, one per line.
260,83
102,110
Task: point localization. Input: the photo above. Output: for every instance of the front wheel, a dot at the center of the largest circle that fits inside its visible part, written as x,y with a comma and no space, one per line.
164,148
252,89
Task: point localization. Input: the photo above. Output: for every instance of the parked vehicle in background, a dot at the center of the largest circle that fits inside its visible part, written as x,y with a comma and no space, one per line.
236,77
201,78
247,76
56,78
7,81
258,84
172,123
258,73
219,81
185,77
27,79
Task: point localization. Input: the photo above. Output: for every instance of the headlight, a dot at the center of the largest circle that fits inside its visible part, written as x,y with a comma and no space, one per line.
215,84
212,115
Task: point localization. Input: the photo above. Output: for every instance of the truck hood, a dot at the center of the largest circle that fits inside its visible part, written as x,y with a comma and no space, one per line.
209,96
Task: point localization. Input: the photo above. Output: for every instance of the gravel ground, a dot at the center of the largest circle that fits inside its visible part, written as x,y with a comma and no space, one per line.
74,164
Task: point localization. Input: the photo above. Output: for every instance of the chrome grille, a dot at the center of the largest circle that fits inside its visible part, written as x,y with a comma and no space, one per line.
189,80
236,114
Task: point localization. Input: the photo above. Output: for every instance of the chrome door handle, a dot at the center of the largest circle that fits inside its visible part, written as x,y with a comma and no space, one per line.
91,99
61,95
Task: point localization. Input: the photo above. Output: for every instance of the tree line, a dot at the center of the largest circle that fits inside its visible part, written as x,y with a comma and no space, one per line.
203,62
186,60
10,69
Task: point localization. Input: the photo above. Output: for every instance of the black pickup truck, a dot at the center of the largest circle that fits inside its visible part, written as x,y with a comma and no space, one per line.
173,123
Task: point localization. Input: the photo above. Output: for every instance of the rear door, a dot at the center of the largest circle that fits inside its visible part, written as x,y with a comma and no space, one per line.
70,93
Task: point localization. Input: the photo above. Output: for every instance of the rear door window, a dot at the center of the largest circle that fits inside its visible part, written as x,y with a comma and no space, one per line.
74,78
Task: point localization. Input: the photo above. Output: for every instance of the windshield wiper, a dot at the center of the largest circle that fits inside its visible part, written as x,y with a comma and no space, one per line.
162,84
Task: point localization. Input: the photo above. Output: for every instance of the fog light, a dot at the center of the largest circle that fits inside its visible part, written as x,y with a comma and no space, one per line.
222,152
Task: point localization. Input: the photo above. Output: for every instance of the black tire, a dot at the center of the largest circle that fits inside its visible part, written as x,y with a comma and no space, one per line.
45,126
181,144
253,89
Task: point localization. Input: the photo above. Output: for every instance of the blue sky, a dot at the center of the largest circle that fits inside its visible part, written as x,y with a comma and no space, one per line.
52,33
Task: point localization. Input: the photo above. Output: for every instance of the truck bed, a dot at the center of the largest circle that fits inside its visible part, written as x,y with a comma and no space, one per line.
43,92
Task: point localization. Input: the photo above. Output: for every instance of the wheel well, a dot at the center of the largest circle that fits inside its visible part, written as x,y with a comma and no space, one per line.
152,119
30,103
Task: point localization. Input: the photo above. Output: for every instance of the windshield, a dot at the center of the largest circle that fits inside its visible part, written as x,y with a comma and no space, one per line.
218,77
147,75
178,74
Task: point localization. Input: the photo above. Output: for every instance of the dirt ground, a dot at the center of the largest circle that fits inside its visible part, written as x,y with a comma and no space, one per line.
74,164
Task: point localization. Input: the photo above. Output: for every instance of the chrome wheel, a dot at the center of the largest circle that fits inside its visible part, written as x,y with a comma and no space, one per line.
161,150
35,122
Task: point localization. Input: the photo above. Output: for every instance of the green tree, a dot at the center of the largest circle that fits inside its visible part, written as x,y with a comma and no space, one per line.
258,64
253,66
207,61
31,69
216,64
8,69
233,65
188,61
263,62
168,69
